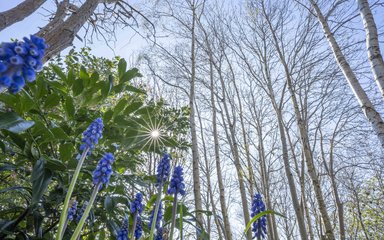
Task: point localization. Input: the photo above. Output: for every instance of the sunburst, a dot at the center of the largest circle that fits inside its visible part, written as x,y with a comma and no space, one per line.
152,132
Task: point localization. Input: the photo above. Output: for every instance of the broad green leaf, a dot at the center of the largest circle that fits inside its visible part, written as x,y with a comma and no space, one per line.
131,88
84,76
77,87
69,107
13,122
106,89
108,204
122,66
58,71
40,179
52,101
120,106
129,75
66,151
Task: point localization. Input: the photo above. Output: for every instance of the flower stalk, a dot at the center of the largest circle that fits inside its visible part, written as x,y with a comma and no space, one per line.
64,212
80,225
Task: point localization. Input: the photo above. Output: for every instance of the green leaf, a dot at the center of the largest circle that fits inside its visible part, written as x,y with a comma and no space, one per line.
132,107
130,74
54,164
108,204
106,89
13,122
84,75
255,218
94,78
40,178
131,88
121,68
58,71
77,87
52,101
69,107
66,151
107,116
120,106
59,133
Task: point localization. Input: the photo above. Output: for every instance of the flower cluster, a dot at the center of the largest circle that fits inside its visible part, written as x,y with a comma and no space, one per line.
159,235
163,169
137,205
158,218
103,170
177,182
139,228
19,62
72,210
92,135
123,233
81,211
259,227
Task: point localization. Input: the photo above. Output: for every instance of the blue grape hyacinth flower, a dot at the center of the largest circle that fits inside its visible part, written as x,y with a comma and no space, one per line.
259,227
139,228
103,170
163,169
158,218
123,233
137,205
81,211
92,135
159,234
19,62
177,182
72,210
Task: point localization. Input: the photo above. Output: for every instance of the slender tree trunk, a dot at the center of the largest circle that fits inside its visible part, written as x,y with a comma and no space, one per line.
19,13
236,157
369,110
209,186
264,178
304,138
301,174
195,149
372,40
227,225
332,175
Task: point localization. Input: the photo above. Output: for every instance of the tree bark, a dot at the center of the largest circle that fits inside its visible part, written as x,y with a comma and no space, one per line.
209,186
231,136
369,110
227,225
373,48
19,13
195,149
63,35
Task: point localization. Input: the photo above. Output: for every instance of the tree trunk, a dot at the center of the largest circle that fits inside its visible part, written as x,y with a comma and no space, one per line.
373,48
227,225
365,103
63,35
209,186
195,149
19,13
231,136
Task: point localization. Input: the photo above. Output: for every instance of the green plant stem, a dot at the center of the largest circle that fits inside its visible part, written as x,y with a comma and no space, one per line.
64,212
80,225
181,223
64,228
174,211
157,207
134,225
